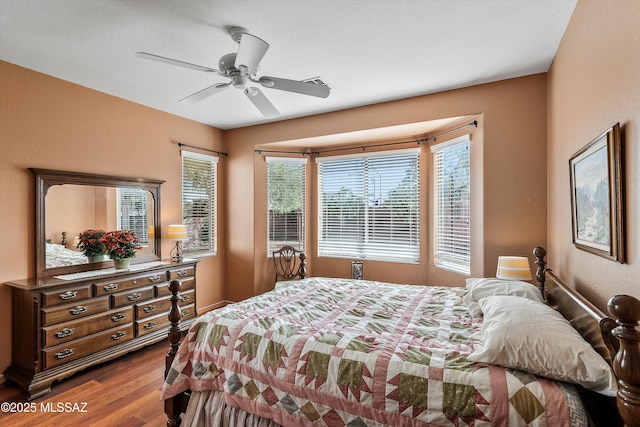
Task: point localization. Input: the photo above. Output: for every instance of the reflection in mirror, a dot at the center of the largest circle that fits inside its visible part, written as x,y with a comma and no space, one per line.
68,203
72,209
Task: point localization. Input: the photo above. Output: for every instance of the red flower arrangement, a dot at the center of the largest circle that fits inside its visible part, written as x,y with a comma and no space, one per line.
91,243
121,244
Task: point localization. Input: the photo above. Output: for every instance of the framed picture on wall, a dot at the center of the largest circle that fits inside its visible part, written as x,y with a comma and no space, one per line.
596,196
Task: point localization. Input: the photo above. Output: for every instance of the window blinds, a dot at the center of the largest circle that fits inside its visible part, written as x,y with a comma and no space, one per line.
369,206
132,212
285,203
199,203
452,241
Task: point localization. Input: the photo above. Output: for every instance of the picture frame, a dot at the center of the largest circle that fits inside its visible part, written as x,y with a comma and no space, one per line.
597,196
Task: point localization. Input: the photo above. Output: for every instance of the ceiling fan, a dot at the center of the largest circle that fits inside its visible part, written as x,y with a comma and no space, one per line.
242,68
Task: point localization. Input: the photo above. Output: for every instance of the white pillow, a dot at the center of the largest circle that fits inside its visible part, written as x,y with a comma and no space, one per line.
54,247
485,287
523,334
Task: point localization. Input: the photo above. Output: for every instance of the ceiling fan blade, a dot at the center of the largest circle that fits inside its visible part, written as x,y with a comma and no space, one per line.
205,93
261,102
157,58
296,86
250,52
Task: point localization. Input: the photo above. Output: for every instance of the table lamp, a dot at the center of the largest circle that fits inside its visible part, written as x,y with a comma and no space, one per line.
177,232
513,268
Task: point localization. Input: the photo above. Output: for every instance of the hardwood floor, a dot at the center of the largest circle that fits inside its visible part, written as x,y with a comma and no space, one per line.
123,392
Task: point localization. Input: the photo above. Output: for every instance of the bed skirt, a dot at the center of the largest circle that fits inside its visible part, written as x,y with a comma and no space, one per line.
208,408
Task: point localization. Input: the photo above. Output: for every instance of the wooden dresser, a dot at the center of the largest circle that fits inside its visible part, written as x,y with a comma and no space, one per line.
61,326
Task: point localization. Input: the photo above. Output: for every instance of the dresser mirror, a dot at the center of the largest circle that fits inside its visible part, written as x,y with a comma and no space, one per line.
68,203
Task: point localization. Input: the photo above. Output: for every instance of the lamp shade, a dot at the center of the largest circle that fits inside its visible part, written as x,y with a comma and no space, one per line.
177,232
513,267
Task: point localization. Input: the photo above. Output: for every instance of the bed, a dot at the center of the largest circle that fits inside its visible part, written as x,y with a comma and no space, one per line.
58,255
335,352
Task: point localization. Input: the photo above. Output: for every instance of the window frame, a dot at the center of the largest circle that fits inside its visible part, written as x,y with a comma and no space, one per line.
444,256
212,215
303,185
372,248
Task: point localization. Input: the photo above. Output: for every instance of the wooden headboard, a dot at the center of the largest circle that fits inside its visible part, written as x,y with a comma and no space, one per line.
618,341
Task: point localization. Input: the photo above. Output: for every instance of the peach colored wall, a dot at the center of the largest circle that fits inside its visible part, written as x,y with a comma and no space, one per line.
49,123
594,82
511,173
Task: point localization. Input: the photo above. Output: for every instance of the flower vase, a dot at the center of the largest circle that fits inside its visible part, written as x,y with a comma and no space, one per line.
122,264
97,258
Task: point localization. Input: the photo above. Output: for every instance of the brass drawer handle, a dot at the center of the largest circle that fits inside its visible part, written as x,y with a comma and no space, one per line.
182,273
155,278
118,335
149,308
118,317
186,313
64,353
150,325
185,298
64,333
111,287
134,297
79,309
68,295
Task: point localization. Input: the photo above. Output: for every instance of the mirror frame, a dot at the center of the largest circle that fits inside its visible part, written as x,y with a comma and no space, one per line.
45,178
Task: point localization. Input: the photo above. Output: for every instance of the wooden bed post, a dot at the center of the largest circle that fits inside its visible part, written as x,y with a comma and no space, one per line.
172,407
626,364
539,252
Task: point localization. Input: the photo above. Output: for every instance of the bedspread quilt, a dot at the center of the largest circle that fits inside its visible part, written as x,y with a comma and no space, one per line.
342,352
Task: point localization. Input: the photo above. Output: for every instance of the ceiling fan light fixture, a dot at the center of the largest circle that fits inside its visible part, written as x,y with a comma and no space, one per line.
226,62
252,91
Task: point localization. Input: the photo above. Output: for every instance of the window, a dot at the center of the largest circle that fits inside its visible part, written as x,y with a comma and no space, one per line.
132,212
199,203
452,241
285,203
369,206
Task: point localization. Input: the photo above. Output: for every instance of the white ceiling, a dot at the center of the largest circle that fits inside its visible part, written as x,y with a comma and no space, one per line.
367,51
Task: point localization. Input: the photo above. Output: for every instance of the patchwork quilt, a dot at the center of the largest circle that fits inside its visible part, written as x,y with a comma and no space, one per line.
343,352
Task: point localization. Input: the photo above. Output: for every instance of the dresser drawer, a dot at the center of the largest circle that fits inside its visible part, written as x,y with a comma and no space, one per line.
188,297
57,334
188,311
68,312
181,273
152,279
76,349
131,297
66,296
160,321
185,284
154,307
111,287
